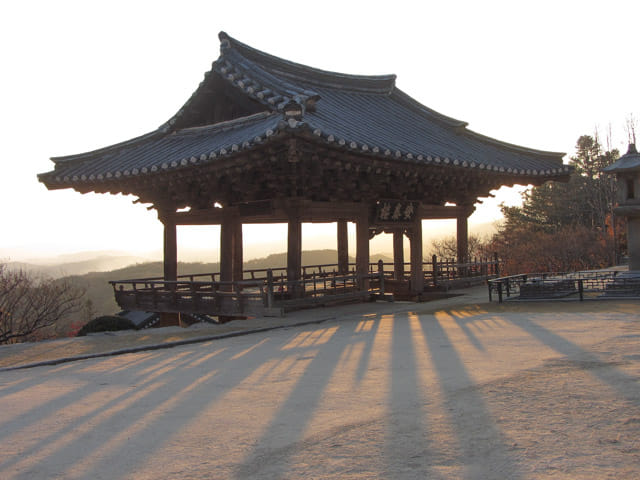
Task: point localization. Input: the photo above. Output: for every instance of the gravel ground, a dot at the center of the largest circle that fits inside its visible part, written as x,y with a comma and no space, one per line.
451,389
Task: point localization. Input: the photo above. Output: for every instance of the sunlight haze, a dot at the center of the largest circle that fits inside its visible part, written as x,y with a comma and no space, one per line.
78,76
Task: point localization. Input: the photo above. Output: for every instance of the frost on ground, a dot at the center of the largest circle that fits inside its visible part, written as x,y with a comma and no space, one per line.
476,391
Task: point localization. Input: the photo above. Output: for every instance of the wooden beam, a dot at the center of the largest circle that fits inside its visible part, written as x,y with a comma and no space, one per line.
330,211
170,251
309,211
432,212
415,242
343,247
398,254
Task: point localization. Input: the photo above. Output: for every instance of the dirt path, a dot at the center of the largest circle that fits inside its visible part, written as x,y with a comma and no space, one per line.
461,389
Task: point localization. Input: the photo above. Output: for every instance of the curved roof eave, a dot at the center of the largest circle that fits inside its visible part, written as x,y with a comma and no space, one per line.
108,149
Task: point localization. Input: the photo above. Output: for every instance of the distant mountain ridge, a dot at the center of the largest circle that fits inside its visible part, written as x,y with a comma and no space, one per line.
100,263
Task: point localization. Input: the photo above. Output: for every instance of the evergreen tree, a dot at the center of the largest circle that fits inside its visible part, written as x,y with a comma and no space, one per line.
580,212
587,199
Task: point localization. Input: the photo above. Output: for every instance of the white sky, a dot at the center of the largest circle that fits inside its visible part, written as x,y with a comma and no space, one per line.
81,75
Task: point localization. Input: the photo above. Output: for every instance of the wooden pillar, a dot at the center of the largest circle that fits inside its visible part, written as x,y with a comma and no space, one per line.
170,251
462,236
294,253
237,268
343,247
362,248
227,229
415,242
398,254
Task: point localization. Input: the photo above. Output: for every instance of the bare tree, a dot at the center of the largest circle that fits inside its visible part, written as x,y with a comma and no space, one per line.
31,304
630,127
447,247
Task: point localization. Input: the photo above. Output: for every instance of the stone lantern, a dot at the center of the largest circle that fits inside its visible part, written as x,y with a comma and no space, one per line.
627,171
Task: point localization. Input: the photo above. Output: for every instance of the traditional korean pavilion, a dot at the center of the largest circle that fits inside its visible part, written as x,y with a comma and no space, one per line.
266,140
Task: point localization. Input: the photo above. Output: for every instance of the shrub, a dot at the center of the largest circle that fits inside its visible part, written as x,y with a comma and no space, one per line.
106,323
569,249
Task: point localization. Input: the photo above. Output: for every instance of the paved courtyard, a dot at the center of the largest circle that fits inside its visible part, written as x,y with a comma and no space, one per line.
457,388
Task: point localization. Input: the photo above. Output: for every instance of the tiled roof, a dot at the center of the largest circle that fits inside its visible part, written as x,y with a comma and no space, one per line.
154,153
629,162
367,114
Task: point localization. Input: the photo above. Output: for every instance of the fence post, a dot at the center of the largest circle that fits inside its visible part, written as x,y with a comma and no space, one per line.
381,275
434,260
236,288
581,289
195,297
313,279
499,292
269,288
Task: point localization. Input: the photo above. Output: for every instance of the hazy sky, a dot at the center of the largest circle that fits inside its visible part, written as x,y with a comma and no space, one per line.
81,75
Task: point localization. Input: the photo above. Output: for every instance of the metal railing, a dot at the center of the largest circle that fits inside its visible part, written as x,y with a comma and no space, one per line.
601,284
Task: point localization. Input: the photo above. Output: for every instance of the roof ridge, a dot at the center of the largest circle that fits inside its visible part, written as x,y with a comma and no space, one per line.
366,83
420,108
259,83
461,127
227,124
513,147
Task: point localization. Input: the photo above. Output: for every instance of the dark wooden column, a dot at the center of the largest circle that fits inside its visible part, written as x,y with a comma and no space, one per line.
294,252
170,263
415,242
362,247
343,247
462,236
170,251
237,272
398,254
227,229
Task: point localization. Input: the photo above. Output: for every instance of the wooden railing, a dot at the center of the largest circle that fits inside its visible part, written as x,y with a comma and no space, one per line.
269,291
437,271
223,298
271,295
443,271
